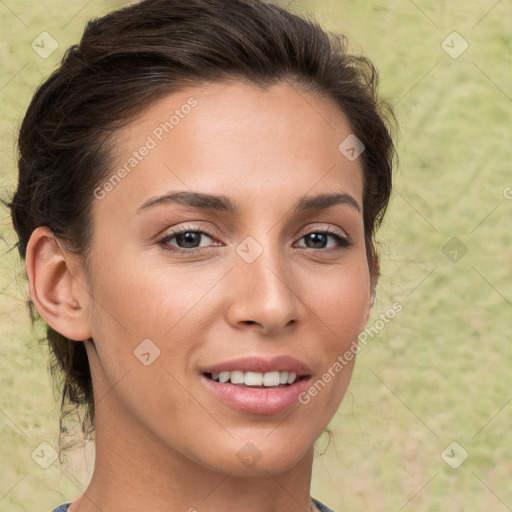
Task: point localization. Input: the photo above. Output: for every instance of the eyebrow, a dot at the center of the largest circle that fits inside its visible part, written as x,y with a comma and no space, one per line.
223,203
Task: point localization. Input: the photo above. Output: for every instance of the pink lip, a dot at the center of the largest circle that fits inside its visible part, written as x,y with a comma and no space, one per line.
261,364
258,400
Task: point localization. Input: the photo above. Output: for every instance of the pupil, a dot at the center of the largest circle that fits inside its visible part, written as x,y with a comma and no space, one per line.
318,240
188,238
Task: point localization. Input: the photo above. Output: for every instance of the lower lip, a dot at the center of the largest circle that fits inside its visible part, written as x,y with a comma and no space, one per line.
257,400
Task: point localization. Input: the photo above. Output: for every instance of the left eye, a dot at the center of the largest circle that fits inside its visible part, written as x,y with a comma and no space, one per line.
320,238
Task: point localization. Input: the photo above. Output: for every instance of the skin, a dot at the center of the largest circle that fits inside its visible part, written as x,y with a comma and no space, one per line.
163,442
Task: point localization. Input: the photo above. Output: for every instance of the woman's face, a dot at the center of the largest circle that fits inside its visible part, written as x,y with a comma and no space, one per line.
253,285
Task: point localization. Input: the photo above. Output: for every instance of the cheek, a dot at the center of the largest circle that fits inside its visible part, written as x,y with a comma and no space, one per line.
341,301
146,299
168,305
340,305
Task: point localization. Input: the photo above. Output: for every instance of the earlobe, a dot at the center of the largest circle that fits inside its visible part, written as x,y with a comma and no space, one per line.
374,277
55,290
370,306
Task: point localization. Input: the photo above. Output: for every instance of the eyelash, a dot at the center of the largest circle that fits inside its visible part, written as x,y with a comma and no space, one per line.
343,241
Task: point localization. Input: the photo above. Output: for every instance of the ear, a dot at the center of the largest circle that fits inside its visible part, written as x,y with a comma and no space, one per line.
374,277
57,286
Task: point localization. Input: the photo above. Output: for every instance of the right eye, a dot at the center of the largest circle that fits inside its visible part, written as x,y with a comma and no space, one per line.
186,239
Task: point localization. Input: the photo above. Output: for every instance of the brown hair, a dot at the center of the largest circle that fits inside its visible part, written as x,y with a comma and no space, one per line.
135,55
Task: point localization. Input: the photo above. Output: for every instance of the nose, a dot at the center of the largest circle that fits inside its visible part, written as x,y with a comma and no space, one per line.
262,294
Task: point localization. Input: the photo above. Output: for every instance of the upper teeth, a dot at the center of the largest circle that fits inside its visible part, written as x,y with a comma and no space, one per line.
256,378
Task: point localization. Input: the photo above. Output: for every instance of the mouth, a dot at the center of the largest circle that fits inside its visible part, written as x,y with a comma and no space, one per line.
257,385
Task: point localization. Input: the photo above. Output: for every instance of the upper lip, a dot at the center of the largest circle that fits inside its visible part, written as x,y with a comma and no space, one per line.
260,364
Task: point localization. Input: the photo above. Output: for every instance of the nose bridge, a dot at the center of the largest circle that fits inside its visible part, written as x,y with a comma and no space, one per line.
263,289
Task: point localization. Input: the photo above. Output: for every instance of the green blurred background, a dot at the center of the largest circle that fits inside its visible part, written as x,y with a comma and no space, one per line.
440,371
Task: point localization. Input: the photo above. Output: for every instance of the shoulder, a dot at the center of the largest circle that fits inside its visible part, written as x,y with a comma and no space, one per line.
62,508
321,506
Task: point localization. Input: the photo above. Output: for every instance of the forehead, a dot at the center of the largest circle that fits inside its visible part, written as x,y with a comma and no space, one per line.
235,137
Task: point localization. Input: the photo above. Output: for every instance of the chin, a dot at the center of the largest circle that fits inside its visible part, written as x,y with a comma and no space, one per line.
258,454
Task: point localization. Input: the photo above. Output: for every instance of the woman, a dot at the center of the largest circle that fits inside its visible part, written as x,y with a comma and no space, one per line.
200,183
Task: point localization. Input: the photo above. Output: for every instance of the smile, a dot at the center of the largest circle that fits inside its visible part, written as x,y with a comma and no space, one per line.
257,385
